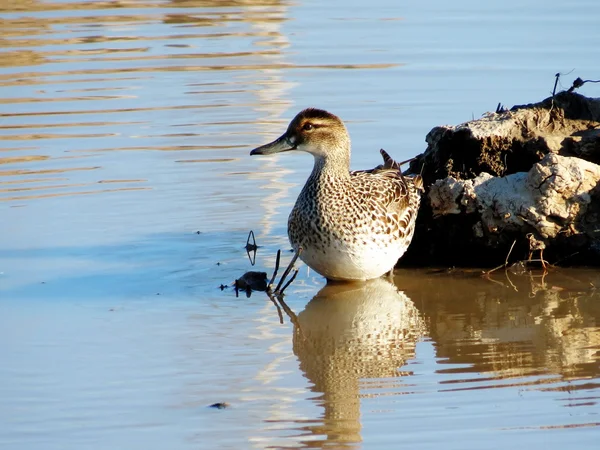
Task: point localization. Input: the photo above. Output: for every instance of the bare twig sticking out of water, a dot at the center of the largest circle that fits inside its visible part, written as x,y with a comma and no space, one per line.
505,265
257,281
276,296
522,264
277,259
290,281
278,290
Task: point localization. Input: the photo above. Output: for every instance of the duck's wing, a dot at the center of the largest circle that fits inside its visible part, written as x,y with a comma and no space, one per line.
385,187
391,194
388,200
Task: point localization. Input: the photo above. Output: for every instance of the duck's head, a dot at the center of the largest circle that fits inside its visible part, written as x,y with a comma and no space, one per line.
314,131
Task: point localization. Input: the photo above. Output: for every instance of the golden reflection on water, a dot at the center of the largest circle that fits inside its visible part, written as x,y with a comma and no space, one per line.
5,173
67,65
348,333
200,68
67,46
511,327
38,5
509,331
79,192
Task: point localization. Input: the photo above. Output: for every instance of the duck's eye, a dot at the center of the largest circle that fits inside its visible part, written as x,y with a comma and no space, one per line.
308,126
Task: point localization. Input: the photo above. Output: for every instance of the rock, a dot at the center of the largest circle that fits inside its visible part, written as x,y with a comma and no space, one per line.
547,200
220,405
528,175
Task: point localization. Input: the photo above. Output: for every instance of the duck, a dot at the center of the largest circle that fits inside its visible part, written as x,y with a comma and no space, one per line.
346,225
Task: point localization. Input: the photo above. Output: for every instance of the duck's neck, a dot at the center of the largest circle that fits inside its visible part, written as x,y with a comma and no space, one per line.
331,167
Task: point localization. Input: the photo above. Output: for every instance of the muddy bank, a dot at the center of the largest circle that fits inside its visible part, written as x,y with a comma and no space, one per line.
528,176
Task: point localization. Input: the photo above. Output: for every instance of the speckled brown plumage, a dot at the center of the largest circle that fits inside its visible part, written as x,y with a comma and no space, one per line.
350,225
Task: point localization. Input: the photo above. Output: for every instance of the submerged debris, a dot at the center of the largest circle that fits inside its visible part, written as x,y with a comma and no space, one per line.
257,281
251,281
222,405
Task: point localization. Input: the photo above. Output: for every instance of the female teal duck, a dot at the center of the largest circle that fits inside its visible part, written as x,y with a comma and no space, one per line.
349,225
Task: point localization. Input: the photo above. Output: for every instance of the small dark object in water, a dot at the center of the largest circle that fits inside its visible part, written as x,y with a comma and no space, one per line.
198,232
218,264
223,287
251,248
220,405
257,281
251,281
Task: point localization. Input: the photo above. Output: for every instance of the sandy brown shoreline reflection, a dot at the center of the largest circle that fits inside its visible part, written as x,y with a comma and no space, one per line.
349,332
531,332
512,326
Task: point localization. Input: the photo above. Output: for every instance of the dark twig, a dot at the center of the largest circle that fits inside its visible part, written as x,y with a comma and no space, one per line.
557,78
276,269
291,314
287,270
406,161
579,82
289,282
505,261
276,295
272,298
556,81
557,75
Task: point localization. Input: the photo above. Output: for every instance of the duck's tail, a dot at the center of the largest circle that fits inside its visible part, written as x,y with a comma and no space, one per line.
390,163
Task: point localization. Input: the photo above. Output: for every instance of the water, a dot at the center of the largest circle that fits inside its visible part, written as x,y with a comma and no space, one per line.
127,192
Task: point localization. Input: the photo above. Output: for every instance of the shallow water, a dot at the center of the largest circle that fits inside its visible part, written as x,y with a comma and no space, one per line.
127,192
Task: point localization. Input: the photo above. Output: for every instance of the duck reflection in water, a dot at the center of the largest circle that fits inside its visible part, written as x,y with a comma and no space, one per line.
348,333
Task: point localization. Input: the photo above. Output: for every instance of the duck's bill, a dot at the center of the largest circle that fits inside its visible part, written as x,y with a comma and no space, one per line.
282,144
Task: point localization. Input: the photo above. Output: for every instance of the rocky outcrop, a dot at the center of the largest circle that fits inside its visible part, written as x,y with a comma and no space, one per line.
528,176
